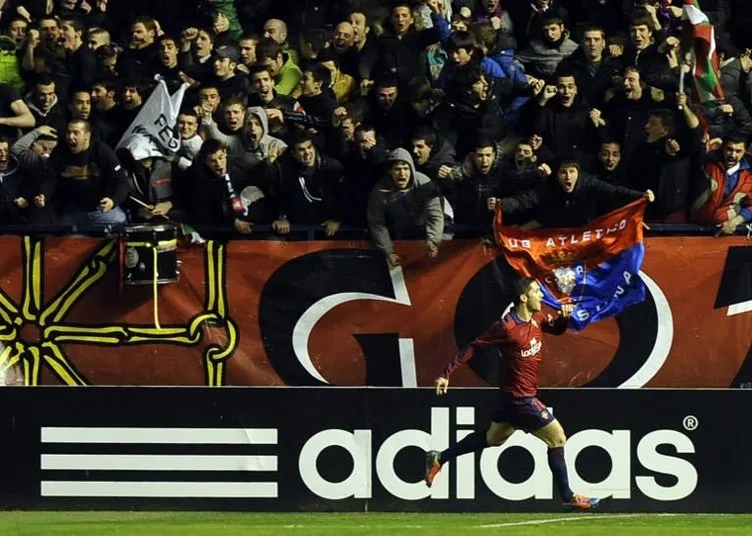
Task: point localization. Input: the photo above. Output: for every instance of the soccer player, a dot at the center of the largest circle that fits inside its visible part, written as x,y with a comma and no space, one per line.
518,337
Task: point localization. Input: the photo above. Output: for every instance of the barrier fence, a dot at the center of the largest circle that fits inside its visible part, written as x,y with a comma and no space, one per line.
265,313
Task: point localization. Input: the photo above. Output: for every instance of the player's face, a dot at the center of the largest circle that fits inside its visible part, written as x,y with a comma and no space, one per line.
534,298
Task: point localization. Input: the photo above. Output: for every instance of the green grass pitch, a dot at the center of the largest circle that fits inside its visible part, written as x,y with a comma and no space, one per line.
234,524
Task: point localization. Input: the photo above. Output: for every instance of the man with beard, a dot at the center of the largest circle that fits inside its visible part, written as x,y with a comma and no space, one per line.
571,200
306,187
343,38
141,57
407,201
248,143
592,66
84,180
726,198
44,104
433,157
562,120
544,53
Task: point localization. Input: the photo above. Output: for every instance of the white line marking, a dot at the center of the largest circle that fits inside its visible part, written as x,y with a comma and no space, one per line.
159,489
154,462
573,517
205,436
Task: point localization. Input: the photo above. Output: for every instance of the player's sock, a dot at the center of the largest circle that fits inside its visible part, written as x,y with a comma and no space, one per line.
472,443
559,469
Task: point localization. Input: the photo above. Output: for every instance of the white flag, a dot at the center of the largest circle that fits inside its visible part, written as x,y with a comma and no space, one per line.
152,132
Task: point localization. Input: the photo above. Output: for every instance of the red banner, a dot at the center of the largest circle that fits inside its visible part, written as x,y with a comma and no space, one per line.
333,313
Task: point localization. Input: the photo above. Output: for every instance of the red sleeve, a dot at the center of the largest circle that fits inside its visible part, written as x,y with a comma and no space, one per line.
553,325
496,334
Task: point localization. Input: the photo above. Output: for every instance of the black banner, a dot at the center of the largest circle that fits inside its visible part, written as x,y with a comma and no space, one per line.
312,449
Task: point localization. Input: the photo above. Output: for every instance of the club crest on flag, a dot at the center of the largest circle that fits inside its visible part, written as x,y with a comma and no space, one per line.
565,278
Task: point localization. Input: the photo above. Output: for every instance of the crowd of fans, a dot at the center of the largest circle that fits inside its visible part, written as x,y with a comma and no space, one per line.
400,116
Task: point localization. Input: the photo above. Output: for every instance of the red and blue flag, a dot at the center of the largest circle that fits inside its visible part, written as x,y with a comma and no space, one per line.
595,267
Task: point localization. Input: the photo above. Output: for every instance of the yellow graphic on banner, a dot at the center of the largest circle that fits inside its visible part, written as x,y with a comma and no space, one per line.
49,319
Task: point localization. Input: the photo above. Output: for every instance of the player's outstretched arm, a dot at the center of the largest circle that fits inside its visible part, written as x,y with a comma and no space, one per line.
442,385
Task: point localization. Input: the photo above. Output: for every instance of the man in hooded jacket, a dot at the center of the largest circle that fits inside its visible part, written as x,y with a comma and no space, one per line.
405,200
253,145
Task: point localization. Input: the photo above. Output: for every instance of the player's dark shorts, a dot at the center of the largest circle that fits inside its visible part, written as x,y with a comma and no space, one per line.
524,413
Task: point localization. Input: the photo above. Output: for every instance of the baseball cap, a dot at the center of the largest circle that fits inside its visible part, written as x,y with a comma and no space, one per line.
226,51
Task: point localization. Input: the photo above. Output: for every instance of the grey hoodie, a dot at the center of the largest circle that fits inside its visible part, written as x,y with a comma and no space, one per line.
421,205
239,146
543,58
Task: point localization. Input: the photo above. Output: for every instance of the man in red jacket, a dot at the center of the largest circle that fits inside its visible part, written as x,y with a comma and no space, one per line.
726,200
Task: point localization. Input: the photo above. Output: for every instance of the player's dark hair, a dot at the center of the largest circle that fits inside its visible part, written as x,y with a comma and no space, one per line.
521,286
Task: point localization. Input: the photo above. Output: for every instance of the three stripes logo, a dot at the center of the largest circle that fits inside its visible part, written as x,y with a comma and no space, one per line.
158,462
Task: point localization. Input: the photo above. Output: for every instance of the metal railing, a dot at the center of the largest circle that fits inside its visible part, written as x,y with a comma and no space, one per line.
313,233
